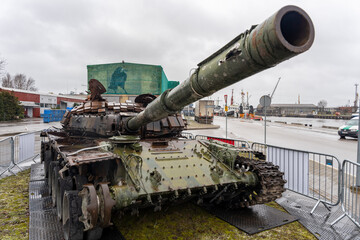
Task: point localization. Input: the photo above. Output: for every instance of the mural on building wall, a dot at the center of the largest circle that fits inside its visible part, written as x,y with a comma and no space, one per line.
118,79
128,78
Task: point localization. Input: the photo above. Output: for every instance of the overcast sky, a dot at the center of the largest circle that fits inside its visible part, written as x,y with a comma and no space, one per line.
53,41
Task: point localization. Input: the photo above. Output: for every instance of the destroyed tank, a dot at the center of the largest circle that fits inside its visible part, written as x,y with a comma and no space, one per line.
127,156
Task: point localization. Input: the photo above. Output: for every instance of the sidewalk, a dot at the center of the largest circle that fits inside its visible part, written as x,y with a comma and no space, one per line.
11,128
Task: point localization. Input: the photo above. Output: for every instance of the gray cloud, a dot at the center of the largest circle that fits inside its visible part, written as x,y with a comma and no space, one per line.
53,41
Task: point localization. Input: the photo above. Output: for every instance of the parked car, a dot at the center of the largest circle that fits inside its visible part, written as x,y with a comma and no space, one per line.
355,114
350,129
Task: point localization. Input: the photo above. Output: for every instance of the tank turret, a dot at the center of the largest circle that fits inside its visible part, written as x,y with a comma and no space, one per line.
127,156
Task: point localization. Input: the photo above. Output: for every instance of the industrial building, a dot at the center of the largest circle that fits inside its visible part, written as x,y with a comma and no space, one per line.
35,103
289,109
124,81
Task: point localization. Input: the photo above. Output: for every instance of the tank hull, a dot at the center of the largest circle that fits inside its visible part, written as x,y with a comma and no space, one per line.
153,173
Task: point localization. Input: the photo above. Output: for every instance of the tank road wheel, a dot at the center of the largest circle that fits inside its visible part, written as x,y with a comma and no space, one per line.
64,184
89,206
54,184
50,173
90,212
73,229
106,204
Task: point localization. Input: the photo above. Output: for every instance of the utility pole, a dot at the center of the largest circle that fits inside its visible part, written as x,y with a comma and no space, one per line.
358,155
226,110
265,102
356,96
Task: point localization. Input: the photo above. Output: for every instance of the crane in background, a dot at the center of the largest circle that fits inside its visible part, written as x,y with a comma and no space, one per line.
272,94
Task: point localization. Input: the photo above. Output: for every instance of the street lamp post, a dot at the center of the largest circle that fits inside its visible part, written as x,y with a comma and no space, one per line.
226,110
265,101
358,154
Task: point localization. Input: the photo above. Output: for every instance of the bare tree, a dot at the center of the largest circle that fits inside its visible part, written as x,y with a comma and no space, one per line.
30,84
7,81
20,81
322,105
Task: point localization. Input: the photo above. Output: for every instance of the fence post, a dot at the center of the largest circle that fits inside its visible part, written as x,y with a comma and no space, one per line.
13,154
358,153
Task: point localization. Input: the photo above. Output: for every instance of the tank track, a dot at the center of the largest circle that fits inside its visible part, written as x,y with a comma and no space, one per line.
270,187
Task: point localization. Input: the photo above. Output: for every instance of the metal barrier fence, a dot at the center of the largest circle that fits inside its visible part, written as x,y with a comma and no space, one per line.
350,202
312,174
6,154
17,149
27,146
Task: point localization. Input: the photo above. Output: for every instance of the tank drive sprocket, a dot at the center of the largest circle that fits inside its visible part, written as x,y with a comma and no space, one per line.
270,186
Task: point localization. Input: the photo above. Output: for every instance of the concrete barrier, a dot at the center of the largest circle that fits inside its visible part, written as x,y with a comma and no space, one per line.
330,127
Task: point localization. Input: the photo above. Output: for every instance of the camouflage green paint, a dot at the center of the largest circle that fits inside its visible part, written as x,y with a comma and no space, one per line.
225,152
180,166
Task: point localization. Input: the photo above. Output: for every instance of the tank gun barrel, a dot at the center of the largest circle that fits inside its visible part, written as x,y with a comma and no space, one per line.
285,34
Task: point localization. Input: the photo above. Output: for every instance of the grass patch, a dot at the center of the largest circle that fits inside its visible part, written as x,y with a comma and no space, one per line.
14,206
186,221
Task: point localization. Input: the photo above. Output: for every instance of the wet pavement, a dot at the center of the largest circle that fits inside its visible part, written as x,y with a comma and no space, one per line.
312,139
12,128
315,122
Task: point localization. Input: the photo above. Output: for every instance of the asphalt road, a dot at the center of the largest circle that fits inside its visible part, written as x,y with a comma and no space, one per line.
12,128
314,139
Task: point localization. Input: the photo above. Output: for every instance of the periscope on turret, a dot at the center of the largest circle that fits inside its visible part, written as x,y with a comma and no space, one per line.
127,156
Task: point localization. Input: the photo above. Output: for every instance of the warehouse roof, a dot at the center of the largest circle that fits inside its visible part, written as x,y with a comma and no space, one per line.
41,93
293,106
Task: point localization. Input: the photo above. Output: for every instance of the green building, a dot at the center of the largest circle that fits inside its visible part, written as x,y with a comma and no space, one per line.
130,79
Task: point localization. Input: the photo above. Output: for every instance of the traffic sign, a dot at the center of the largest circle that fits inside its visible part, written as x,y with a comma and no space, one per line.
226,108
265,101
